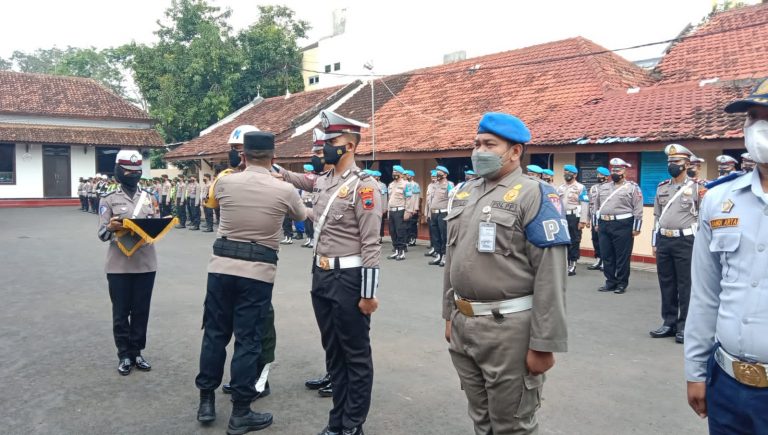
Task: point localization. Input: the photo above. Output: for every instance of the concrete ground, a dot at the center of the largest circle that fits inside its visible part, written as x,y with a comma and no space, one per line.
58,364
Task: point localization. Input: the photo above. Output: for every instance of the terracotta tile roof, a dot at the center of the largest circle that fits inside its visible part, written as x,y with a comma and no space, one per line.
274,114
61,96
732,44
659,113
24,133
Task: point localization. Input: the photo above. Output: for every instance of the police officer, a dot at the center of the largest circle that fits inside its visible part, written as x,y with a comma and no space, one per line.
345,276
241,276
412,207
694,170
620,216
181,202
504,228
747,162
130,278
602,177
165,196
548,176
81,193
573,196
676,210
384,201
726,351
193,203
205,192
535,171
398,226
725,164
438,210
306,197
432,181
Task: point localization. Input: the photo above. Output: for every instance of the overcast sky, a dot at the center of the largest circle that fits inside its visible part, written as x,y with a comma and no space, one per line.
403,34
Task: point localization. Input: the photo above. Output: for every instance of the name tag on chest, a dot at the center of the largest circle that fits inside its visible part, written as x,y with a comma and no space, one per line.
486,239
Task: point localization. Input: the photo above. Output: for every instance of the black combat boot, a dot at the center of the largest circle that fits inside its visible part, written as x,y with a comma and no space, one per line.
206,412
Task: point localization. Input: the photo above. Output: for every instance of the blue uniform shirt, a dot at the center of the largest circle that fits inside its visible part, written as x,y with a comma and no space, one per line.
729,294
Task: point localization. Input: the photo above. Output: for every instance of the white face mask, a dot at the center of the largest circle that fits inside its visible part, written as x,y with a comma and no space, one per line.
756,140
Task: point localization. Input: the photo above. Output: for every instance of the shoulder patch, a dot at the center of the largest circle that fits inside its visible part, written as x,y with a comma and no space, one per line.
667,181
549,227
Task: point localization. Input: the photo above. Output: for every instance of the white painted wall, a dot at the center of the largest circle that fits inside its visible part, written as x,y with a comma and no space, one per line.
29,174
82,165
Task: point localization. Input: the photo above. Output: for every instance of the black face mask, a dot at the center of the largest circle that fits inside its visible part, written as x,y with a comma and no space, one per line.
691,173
234,158
332,154
723,171
601,179
675,170
317,164
130,180
616,177
568,177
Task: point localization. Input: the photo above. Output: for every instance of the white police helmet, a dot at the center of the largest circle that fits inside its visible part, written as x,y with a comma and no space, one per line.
237,135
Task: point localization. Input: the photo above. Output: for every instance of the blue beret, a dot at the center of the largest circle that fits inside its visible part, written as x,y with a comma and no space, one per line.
410,173
536,169
549,172
470,172
398,168
368,171
571,168
505,126
309,168
376,173
443,169
433,172
603,171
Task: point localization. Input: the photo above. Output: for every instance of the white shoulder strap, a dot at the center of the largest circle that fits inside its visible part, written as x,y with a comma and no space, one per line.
321,221
610,196
674,197
140,204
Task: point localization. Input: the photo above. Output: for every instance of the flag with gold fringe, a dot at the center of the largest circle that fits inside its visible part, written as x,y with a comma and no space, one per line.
139,232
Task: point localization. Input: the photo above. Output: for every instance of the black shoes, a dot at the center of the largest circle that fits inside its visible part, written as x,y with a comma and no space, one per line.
606,288
207,230
142,364
663,331
326,391
571,268
243,421
195,228
598,265
206,412
430,253
124,367
316,384
437,261
680,337
354,431
620,290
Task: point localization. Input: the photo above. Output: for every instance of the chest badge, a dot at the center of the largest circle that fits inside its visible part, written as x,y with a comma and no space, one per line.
727,206
688,191
512,193
462,195
343,192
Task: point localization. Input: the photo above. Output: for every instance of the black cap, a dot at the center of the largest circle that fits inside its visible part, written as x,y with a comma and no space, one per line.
258,140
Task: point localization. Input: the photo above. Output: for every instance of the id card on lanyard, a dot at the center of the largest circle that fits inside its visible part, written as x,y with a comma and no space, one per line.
486,238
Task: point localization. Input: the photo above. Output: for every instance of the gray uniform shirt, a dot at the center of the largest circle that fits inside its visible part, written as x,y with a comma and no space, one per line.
573,197
729,288
397,193
354,219
118,204
438,195
253,204
683,212
628,200
519,266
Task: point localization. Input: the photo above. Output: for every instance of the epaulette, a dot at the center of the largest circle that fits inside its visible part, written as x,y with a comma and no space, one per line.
362,174
721,180
667,181
104,195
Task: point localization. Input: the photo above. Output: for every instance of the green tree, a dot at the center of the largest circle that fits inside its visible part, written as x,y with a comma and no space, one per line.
5,64
100,65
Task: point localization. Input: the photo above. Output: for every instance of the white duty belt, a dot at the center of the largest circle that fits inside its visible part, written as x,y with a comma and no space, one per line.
615,217
752,374
677,233
473,309
329,263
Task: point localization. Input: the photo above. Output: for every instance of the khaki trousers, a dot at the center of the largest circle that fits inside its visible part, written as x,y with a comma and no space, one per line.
489,356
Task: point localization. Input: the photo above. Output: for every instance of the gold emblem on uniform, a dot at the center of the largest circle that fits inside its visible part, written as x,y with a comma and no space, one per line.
325,264
518,186
462,195
688,191
343,192
511,195
727,206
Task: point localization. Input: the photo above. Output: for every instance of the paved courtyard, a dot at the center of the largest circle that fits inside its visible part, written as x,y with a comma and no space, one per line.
58,364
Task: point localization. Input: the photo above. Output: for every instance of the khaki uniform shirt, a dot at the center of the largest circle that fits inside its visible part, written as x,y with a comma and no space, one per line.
193,193
438,195
575,200
253,205
413,203
628,200
354,218
684,211
166,191
397,193
119,204
529,258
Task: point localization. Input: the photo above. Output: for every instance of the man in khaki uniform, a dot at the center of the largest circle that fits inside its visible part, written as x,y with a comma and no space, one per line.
181,202
165,196
573,196
412,208
620,216
345,276
437,208
131,278
507,242
193,203
205,192
676,211
602,174
398,225
241,275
